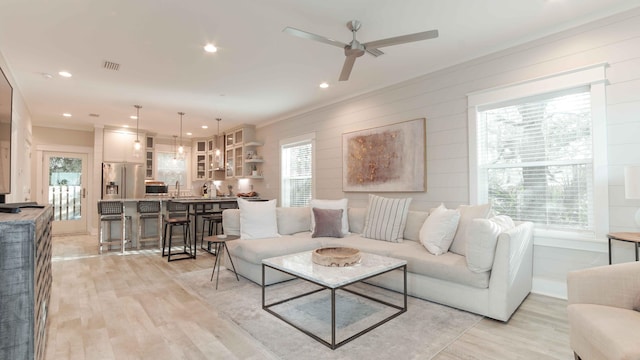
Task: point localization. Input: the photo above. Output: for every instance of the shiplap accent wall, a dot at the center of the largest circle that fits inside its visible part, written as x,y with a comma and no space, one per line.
441,98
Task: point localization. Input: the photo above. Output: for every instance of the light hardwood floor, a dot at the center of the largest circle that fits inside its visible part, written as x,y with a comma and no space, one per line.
114,306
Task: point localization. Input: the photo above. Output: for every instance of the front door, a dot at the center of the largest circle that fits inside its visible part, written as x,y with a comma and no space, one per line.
66,183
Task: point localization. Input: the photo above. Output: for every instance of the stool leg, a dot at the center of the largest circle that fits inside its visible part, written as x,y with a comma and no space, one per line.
139,233
100,236
164,237
124,231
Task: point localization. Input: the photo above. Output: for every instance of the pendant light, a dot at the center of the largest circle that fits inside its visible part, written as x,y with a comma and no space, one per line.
175,148
181,148
137,147
218,158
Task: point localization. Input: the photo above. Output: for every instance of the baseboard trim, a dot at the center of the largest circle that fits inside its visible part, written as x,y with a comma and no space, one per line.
549,287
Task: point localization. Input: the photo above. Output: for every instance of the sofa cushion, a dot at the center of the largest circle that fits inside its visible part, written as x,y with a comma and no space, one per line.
332,204
467,213
328,222
601,331
386,218
258,219
356,219
415,219
482,240
361,243
438,230
447,267
254,251
293,220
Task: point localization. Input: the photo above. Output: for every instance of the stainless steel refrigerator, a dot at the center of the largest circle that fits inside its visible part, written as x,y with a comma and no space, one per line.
122,181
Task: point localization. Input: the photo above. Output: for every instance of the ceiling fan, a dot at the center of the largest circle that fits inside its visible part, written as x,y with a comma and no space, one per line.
356,49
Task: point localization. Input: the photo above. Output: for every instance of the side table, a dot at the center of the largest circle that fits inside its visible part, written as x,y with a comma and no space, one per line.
220,245
624,236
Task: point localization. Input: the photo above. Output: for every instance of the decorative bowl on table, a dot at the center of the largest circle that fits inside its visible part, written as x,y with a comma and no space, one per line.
335,256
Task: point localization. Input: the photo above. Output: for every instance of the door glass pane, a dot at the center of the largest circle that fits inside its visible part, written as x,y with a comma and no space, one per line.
65,187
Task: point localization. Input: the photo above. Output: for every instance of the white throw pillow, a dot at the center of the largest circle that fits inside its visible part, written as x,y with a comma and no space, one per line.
258,219
483,237
386,218
467,213
333,205
438,230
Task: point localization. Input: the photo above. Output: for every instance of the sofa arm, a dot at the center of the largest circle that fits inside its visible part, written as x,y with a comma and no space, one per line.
512,272
612,285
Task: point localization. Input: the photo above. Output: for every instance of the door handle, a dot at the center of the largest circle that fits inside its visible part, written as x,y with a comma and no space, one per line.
84,193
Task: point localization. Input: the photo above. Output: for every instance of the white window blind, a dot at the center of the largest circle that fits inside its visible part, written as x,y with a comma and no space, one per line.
297,173
535,159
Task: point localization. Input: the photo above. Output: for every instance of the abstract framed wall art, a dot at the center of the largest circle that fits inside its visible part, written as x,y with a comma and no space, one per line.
390,158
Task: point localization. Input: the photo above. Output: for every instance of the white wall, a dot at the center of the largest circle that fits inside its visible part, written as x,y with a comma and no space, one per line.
441,98
21,144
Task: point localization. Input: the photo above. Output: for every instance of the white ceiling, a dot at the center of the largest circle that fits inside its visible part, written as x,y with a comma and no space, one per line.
259,73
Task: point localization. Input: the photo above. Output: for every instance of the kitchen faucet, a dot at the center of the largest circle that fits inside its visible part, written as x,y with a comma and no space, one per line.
177,188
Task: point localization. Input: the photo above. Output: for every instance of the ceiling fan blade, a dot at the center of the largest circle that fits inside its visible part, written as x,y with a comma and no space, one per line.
374,52
401,39
308,35
346,68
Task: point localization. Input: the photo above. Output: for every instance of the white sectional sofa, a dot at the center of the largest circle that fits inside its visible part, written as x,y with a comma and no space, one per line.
445,279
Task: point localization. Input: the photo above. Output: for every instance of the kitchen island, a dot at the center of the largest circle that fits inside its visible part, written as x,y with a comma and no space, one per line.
197,205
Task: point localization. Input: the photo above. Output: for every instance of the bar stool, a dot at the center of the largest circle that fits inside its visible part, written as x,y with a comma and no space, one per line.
148,210
110,212
177,216
212,220
197,212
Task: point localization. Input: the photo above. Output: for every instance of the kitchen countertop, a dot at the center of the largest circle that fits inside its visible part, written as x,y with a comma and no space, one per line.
167,198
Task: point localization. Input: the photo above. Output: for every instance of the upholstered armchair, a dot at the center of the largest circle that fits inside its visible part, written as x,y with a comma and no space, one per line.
602,320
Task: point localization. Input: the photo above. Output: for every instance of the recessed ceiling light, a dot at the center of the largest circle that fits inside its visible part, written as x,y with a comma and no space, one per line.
66,115
205,127
65,74
189,134
324,85
133,117
210,48
125,126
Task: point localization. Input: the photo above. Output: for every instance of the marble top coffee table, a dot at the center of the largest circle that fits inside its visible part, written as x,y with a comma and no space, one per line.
329,278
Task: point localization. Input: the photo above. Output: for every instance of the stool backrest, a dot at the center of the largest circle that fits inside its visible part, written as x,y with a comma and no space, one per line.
175,209
148,207
229,205
110,207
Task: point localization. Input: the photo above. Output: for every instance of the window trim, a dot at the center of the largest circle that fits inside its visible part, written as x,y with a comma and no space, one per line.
593,76
288,142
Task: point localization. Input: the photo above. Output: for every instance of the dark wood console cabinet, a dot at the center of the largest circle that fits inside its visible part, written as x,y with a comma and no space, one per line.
25,282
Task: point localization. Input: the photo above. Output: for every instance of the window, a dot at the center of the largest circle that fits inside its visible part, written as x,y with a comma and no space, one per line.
171,169
534,151
535,159
297,171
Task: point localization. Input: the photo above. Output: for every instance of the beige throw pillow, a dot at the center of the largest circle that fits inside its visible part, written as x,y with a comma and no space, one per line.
483,237
438,229
467,213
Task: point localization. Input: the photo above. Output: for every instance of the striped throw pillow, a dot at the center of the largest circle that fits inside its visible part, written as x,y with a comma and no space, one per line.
386,218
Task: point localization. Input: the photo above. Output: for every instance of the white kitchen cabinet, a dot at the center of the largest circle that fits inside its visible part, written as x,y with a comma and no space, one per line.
118,147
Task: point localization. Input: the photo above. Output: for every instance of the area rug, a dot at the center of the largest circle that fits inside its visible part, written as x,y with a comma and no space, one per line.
420,333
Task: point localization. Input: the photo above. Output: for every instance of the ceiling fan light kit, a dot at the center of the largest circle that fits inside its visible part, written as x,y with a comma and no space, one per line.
356,49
